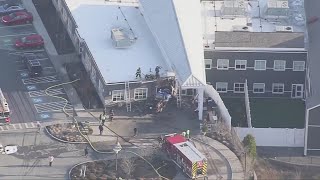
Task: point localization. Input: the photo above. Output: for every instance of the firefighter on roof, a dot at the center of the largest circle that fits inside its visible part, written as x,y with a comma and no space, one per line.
138,73
157,69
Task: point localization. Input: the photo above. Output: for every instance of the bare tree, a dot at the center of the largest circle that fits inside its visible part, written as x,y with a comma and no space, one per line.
128,165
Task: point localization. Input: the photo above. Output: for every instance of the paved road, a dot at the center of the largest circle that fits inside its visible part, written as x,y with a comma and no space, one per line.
25,95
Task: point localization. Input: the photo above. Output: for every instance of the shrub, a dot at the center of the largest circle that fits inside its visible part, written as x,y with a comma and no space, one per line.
250,143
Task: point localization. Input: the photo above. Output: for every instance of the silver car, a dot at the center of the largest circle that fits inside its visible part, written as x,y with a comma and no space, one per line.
10,8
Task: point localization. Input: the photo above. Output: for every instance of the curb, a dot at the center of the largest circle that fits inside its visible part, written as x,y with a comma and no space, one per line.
84,163
60,140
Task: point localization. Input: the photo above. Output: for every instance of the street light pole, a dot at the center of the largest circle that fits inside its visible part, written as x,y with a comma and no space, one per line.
117,148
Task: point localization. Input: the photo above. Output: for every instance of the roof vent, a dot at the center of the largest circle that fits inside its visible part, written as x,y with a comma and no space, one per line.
240,28
284,29
122,38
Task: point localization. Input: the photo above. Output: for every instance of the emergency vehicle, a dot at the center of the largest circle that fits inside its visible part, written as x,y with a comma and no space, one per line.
4,110
192,162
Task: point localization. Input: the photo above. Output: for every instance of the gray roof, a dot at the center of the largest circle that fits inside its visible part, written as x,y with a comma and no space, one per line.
312,10
260,39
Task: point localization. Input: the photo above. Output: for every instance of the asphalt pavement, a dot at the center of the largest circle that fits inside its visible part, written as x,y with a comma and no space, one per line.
25,95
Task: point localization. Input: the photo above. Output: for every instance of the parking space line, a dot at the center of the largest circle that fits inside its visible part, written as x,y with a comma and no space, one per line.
20,126
57,91
14,127
52,107
25,52
1,128
16,26
26,125
33,125
13,35
38,80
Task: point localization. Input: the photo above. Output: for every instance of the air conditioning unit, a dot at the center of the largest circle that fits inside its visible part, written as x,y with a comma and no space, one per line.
284,29
240,28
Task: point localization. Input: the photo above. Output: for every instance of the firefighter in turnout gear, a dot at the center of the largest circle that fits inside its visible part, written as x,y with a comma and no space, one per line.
157,69
138,73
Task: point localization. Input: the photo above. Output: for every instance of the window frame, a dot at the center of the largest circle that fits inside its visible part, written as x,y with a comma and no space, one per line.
293,66
114,92
222,83
223,60
140,95
206,63
253,88
273,86
240,69
275,65
234,87
255,65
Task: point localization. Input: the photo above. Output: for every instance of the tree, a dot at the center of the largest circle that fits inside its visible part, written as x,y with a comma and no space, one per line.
250,143
127,165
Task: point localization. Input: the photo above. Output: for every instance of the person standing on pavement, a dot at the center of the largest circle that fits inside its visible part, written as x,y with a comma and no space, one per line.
103,118
101,129
51,158
86,152
38,126
135,131
111,114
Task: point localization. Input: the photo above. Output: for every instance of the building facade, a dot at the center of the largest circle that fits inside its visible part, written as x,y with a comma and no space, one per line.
268,73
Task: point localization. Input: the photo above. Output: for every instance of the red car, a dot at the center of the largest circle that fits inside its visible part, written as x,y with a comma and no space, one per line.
31,41
20,17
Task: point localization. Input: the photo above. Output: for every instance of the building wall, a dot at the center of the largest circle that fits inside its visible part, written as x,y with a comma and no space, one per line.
81,47
313,129
268,76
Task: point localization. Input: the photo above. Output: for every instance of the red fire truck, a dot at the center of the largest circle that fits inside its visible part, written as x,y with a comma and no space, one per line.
185,155
4,110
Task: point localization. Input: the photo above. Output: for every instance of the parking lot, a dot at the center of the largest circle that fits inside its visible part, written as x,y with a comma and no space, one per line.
25,94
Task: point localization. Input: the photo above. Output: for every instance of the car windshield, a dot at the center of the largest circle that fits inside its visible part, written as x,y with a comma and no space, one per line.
5,6
12,15
36,69
24,39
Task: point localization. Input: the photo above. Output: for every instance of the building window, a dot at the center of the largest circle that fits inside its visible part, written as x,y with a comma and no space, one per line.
240,64
223,64
298,65
140,93
117,95
238,88
258,87
279,65
222,87
208,63
260,65
277,88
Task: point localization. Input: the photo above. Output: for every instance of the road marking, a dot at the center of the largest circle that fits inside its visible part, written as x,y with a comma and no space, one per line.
40,93
38,80
33,125
1,128
25,52
14,127
26,125
32,87
20,126
22,70
3,27
12,35
52,107
48,67
40,59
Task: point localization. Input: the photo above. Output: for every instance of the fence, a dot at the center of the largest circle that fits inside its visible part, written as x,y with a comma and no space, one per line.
211,92
247,103
281,137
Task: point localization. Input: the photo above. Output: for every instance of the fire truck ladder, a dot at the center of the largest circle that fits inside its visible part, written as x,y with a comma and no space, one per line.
178,90
127,96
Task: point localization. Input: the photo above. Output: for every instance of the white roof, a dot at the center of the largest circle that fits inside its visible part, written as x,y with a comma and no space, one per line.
187,149
176,26
96,18
257,17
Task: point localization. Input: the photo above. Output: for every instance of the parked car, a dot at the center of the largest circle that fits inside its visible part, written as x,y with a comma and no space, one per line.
20,17
8,149
31,41
10,8
32,64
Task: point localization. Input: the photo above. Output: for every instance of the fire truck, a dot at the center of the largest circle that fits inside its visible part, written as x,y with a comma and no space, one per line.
4,110
185,155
